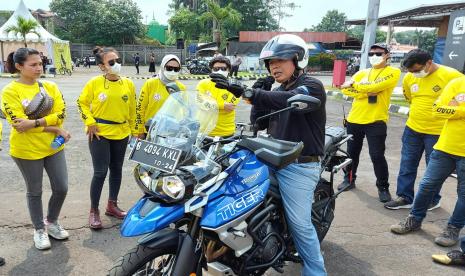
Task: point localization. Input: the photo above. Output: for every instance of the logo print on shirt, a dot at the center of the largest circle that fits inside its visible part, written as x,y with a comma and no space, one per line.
156,97
102,97
224,96
25,102
460,98
414,87
436,88
125,98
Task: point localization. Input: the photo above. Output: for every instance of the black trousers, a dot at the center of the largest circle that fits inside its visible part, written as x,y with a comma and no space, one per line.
106,155
234,70
376,136
137,68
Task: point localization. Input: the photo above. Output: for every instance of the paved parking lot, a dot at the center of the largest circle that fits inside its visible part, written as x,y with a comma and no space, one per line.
359,242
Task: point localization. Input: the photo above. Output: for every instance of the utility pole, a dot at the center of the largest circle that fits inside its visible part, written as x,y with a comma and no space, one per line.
369,37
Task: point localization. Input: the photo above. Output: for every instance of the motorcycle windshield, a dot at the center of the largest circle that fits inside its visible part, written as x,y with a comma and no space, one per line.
183,122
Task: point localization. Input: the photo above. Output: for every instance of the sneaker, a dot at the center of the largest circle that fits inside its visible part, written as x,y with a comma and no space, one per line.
41,240
345,185
410,224
56,231
454,257
2,261
433,206
384,195
448,237
398,203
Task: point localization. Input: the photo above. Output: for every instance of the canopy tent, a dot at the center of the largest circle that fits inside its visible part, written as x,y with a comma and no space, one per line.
56,49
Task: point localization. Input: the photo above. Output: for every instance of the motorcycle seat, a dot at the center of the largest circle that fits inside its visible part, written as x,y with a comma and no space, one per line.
273,152
333,135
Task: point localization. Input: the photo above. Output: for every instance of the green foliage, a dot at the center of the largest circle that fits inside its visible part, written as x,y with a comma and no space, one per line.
323,61
221,16
424,39
185,24
23,27
359,31
333,21
105,22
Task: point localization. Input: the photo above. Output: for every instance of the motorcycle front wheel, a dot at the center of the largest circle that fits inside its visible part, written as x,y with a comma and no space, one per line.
142,260
323,208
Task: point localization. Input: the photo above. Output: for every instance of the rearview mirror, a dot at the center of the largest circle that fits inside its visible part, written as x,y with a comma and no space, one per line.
303,103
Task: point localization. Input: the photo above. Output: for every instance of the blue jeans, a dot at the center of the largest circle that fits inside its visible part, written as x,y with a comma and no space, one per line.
297,183
413,146
440,166
462,244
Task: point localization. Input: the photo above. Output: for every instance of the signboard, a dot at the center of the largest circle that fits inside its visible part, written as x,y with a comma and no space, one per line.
454,52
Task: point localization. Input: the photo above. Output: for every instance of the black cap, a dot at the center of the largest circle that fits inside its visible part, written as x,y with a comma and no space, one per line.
383,46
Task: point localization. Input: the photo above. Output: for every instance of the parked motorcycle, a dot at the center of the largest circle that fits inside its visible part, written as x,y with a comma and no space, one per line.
198,66
212,204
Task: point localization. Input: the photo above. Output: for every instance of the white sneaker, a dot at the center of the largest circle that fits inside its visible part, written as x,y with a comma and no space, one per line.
41,240
56,231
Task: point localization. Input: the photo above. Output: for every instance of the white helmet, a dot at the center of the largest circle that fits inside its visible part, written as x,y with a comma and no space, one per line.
286,46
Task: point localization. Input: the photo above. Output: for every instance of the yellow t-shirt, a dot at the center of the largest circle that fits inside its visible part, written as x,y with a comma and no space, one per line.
225,125
111,101
151,98
452,139
421,93
33,144
381,81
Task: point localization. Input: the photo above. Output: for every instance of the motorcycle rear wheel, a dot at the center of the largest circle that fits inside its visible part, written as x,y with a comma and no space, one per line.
323,192
142,260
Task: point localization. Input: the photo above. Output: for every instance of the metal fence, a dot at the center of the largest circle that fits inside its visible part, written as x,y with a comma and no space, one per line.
127,52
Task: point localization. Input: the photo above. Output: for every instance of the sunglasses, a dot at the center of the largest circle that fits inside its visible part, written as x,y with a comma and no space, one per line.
173,68
378,54
216,69
113,61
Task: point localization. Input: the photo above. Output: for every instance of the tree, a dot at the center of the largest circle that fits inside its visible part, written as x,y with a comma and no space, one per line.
106,22
257,15
333,21
359,31
220,16
185,24
23,27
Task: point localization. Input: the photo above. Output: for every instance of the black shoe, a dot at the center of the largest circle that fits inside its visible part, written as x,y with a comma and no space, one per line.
2,261
454,257
398,203
384,195
345,185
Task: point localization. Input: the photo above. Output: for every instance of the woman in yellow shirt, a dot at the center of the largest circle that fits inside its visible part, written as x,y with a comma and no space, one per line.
31,141
154,93
108,108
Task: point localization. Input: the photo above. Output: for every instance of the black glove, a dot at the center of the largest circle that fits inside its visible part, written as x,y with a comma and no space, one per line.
234,86
264,83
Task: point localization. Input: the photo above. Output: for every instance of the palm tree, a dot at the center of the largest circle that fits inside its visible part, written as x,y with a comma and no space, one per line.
219,16
24,26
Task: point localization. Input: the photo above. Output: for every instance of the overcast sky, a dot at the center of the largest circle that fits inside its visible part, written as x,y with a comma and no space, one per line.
309,13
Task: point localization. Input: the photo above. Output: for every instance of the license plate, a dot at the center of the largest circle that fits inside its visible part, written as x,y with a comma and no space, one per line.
156,156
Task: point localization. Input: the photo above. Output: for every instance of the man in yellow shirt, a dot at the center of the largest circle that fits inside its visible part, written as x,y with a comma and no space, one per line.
371,89
227,102
422,86
448,155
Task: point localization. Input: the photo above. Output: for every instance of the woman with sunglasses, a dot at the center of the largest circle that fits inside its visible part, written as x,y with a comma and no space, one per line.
227,102
108,108
31,141
154,93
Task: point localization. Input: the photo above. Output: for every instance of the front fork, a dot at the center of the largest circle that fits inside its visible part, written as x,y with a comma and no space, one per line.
190,250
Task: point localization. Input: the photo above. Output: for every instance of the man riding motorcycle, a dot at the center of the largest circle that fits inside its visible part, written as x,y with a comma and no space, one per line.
285,57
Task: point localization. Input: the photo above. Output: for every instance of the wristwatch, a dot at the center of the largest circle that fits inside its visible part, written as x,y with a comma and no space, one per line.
248,93
37,123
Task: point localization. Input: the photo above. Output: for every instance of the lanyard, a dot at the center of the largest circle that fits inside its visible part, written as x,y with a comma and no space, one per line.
369,73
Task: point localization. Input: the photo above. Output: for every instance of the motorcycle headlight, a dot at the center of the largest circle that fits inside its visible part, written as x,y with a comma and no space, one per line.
171,186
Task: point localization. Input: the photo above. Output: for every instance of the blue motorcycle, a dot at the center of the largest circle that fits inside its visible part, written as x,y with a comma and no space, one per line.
213,204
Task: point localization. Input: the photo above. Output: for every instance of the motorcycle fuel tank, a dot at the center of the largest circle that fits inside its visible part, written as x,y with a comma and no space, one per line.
245,188
148,216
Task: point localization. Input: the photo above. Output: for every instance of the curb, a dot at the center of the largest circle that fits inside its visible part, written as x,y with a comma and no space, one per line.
393,108
11,76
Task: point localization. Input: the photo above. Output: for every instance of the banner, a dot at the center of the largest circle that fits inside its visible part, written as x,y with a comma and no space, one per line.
60,53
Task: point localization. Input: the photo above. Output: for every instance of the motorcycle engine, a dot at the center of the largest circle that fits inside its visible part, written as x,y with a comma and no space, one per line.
270,248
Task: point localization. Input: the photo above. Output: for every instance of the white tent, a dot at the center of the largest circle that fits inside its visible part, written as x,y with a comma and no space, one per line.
12,21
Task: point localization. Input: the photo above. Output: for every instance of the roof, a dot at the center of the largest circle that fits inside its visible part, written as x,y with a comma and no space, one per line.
12,21
250,36
420,16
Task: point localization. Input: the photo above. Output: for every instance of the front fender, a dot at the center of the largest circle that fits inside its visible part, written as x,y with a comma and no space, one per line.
148,216
166,237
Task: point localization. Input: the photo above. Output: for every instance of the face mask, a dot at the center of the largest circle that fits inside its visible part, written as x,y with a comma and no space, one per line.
420,74
375,60
115,69
171,75
223,73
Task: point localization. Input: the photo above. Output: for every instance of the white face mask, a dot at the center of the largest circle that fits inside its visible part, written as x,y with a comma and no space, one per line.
171,75
223,73
376,60
115,69
420,74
